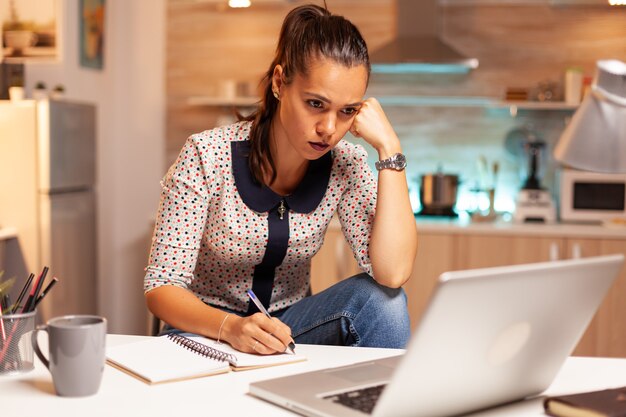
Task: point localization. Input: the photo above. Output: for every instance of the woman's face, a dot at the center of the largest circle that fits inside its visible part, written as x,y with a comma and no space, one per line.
316,110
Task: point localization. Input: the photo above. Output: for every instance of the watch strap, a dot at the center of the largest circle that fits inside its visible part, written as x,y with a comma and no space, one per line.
396,161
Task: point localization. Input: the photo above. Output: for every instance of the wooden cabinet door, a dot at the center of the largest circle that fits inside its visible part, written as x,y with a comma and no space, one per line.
333,262
606,334
435,254
482,251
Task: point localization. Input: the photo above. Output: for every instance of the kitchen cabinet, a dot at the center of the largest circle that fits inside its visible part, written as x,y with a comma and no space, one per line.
459,248
606,334
481,251
435,255
333,262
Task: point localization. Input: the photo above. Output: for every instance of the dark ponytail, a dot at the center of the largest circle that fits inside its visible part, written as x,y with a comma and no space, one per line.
308,32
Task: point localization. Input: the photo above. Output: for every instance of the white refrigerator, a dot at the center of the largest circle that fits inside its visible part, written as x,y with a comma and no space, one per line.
47,193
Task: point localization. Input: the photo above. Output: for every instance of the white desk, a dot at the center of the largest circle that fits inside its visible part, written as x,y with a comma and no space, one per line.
32,394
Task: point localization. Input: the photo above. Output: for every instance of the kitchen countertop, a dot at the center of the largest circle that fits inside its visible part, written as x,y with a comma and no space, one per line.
464,225
503,226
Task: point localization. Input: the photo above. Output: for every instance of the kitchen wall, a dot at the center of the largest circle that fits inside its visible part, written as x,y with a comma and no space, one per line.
208,45
519,44
130,97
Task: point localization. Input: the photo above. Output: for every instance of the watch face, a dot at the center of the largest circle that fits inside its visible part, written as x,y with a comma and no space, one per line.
399,161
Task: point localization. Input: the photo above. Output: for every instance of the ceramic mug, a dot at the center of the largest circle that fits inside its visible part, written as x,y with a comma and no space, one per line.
76,346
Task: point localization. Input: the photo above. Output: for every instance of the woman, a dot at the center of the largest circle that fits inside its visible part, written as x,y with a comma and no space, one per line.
246,206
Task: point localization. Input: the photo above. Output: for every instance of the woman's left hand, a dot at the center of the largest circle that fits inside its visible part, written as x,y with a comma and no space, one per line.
371,124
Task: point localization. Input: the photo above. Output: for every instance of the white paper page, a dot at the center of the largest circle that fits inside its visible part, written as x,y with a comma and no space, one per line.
244,360
159,359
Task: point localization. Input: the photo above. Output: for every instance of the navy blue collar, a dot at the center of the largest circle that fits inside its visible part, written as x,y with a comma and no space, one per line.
261,198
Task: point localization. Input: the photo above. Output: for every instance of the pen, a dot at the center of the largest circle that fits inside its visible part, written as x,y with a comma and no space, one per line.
252,295
23,293
45,291
34,291
4,335
5,302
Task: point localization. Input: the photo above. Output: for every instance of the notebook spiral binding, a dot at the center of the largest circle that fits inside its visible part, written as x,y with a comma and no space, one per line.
199,348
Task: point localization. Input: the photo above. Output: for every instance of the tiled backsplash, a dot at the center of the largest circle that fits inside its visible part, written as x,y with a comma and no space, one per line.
454,139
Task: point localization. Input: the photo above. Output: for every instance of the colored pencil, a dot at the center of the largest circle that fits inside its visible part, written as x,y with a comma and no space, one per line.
4,335
23,293
45,291
34,291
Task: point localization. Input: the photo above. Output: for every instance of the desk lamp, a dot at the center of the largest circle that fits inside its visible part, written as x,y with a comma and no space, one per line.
595,139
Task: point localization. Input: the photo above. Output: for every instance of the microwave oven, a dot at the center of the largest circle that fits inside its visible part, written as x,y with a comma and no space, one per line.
591,196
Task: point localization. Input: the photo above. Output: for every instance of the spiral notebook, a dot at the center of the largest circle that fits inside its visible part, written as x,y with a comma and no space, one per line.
176,357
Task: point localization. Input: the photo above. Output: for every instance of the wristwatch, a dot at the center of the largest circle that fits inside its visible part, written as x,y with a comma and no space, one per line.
396,161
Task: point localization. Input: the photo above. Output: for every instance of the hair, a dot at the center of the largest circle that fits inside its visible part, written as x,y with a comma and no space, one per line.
308,32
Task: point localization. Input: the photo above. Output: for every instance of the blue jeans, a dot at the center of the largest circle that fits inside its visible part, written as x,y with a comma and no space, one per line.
354,312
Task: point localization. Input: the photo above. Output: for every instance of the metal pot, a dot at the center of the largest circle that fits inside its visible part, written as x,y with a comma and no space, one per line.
438,192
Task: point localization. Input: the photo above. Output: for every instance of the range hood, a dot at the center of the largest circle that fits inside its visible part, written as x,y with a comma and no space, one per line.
418,47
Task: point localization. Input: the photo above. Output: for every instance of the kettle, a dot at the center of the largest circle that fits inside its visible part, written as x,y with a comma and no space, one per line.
438,194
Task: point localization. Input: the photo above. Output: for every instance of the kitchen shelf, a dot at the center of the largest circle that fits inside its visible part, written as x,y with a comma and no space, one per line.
405,101
538,105
36,54
211,101
469,101
435,101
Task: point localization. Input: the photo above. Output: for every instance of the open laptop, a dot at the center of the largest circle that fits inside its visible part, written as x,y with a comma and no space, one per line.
488,336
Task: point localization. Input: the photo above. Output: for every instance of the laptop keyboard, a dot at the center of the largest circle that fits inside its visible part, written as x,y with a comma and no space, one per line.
363,399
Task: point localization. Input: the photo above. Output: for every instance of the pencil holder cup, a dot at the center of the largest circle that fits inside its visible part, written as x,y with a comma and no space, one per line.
16,350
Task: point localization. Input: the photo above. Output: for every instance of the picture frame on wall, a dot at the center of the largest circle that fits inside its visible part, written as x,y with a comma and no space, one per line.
92,34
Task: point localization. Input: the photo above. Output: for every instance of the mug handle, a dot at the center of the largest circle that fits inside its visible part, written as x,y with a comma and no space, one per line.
33,339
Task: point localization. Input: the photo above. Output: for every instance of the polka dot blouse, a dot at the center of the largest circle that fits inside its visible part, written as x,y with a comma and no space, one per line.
219,233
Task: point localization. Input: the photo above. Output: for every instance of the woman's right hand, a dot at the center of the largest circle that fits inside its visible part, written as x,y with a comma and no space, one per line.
257,334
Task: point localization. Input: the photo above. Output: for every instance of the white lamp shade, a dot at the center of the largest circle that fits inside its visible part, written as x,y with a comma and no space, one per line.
595,139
